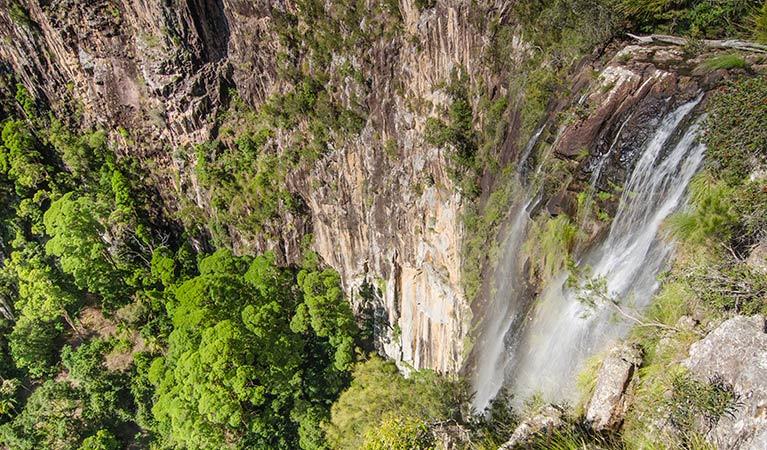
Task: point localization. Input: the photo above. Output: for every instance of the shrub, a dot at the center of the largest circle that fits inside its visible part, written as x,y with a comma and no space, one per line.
19,14
696,407
710,215
379,391
399,433
697,18
759,21
425,4
736,130
725,62
551,244
729,287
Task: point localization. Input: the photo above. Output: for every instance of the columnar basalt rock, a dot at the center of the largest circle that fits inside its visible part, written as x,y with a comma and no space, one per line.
381,205
164,72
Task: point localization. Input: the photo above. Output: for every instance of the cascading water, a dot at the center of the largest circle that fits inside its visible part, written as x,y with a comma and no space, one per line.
507,308
504,314
541,351
563,331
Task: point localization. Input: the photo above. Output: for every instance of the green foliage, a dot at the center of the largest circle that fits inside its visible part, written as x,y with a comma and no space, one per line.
550,244
102,440
34,346
759,20
458,136
574,438
236,374
76,239
494,428
8,396
696,407
52,418
398,433
245,177
482,229
105,393
19,14
729,287
576,25
164,266
19,157
328,313
736,129
425,4
41,294
729,199
696,18
84,156
711,215
725,62
379,392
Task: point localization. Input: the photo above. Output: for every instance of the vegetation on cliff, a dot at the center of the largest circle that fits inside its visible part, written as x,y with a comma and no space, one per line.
118,332
126,327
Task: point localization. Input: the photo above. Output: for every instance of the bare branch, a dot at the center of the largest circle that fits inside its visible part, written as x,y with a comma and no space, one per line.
710,43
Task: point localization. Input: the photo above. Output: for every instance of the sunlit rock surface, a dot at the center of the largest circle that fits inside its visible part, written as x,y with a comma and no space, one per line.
736,351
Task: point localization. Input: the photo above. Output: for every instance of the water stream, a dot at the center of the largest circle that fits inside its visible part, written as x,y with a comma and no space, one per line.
541,351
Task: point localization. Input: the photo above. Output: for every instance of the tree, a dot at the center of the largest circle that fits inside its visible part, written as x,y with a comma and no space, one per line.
41,296
34,346
379,391
52,419
76,239
399,433
328,313
19,158
236,375
106,392
102,440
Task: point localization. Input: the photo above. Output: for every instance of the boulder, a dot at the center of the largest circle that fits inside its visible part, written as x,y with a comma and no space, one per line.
450,435
757,259
608,403
736,351
547,418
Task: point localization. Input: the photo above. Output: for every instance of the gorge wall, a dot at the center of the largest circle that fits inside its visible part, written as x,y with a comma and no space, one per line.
382,205
163,71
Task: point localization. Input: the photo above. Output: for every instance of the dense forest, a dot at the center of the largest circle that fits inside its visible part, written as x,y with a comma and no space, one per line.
125,325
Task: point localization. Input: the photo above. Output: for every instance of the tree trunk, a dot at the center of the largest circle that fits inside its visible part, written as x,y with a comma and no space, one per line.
710,43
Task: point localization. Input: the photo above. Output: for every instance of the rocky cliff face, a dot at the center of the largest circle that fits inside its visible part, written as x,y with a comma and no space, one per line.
162,71
381,205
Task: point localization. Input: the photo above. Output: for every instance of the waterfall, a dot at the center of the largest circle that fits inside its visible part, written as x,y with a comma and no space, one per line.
508,306
563,332
541,350
505,311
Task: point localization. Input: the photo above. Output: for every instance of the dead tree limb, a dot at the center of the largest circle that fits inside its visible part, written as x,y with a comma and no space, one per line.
734,44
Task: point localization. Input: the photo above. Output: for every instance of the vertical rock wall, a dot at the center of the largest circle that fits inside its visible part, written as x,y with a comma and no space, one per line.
163,70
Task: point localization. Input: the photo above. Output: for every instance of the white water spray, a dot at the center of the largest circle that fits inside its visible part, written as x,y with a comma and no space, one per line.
504,312
541,351
563,332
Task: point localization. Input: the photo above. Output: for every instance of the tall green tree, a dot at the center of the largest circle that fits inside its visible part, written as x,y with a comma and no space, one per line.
77,239
236,375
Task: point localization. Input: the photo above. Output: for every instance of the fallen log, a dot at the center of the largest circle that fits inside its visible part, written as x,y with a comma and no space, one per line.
735,44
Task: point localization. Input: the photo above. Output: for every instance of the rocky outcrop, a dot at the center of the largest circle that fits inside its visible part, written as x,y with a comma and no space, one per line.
613,114
546,420
608,404
736,351
757,258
